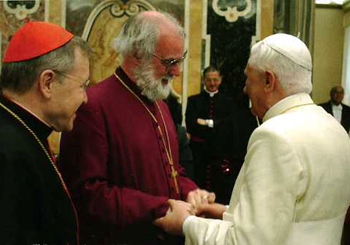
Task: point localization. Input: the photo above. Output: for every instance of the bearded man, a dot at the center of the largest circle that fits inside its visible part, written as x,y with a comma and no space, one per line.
121,160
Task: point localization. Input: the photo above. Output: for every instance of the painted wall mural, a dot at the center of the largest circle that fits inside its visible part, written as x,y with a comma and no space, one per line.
13,14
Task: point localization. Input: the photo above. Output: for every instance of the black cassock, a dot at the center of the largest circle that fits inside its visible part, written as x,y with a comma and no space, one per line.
34,207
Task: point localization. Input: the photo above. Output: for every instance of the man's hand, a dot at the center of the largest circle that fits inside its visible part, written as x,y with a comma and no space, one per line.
212,211
203,122
206,122
173,220
198,197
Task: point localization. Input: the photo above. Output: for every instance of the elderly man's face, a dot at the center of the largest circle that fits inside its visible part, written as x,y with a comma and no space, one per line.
254,88
153,76
170,47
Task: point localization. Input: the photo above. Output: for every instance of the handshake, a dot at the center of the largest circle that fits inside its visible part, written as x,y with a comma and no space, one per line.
199,202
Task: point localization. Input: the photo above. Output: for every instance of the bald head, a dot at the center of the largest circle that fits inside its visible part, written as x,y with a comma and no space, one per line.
166,23
337,94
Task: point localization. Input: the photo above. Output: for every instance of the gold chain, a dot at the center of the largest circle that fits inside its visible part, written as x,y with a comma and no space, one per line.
167,149
48,156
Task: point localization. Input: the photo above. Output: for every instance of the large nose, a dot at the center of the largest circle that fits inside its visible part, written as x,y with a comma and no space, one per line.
245,86
175,69
212,81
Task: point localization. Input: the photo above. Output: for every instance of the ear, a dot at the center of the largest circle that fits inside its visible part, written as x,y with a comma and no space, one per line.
220,80
45,84
270,81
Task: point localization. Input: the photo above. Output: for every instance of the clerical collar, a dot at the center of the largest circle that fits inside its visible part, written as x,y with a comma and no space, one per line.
211,94
288,103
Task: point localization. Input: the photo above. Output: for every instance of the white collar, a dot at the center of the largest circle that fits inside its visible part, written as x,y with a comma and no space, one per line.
288,103
211,94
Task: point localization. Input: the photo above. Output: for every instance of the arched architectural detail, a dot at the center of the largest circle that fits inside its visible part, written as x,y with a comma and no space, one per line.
117,9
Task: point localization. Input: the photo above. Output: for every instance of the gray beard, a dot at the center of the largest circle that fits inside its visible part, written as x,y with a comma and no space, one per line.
151,88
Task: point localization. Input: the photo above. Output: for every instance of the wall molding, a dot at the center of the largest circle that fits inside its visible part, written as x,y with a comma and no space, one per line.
21,11
232,14
118,9
346,19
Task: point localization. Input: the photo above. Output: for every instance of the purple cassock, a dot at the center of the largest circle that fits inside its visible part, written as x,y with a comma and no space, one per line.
116,165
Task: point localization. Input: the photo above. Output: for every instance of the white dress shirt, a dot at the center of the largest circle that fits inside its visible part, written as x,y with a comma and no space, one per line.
337,111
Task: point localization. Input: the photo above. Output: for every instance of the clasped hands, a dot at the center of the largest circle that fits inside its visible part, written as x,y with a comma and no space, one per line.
199,202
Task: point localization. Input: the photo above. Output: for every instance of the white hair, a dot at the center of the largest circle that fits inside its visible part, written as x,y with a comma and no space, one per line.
294,78
152,88
139,35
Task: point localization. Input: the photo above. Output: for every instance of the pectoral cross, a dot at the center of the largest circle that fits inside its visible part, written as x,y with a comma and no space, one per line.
174,174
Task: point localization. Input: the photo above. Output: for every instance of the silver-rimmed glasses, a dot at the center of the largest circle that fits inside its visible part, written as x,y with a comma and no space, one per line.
170,62
84,86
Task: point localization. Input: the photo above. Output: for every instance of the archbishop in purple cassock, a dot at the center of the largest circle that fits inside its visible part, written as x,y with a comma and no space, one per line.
121,160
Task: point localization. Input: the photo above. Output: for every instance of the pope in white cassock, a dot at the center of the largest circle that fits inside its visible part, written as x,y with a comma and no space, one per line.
293,188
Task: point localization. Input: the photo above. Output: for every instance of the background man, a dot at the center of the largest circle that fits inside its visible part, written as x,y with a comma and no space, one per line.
205,114
293,187
123,150
43,83
335,107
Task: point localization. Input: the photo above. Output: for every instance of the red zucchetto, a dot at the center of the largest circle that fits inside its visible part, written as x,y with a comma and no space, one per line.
34,39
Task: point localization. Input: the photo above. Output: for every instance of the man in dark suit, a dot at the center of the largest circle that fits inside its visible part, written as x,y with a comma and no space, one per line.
205,114
336,108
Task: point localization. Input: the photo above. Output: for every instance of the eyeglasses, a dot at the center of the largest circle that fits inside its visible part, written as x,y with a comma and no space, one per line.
170,62
84,86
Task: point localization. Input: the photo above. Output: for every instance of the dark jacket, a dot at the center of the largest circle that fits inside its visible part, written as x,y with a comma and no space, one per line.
34,207
345,118
198,106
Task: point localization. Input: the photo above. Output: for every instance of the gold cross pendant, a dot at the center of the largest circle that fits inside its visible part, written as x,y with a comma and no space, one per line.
174,174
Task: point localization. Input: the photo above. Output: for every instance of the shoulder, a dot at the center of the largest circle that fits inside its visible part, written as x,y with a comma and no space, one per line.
16,143
105,94
196,97
193,97
346,107
100,90
11,132
325,104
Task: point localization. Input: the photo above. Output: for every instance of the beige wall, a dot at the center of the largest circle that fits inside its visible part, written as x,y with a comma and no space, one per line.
328,51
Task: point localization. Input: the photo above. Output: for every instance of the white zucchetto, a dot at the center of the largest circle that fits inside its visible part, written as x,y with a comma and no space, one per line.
291,47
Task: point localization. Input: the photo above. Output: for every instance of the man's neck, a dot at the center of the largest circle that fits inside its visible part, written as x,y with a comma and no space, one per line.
335,103
129,65
27,102
211,94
